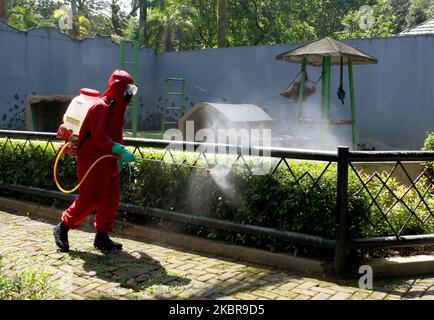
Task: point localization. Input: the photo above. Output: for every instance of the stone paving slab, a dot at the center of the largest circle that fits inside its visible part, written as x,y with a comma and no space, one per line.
155,271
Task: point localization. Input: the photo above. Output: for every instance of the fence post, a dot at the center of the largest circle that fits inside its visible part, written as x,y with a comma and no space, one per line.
342,211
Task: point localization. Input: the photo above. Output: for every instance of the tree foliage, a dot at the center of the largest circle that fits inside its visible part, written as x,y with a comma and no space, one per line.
418,12
380,22
169,25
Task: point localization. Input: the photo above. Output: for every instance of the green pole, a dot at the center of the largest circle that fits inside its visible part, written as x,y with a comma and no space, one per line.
301,93
122,54
164,105
182,97
353,104
136,79
328,86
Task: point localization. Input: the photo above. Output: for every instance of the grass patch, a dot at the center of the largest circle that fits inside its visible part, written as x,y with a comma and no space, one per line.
30,284
145,134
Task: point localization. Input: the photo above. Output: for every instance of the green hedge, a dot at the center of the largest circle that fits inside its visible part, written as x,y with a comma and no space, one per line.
428,144
272,200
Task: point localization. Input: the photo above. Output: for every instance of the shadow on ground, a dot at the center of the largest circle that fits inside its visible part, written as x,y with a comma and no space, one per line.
136,270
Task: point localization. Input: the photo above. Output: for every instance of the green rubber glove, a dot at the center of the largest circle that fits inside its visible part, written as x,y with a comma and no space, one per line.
121,164
126,155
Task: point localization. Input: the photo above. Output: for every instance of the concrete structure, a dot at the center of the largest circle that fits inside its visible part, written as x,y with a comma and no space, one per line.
394,99
425,28
216,116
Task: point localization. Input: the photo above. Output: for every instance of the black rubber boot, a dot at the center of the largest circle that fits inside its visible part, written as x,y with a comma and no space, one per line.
104,243
60,233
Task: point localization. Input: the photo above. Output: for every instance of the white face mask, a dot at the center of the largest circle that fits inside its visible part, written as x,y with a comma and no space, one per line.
131,90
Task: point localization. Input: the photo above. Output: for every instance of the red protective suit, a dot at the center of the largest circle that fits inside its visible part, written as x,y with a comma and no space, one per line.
102,127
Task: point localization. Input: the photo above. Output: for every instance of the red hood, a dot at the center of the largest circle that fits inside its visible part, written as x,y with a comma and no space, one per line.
117,84
116,87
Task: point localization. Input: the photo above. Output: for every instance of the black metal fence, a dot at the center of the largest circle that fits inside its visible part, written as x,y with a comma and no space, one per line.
411,199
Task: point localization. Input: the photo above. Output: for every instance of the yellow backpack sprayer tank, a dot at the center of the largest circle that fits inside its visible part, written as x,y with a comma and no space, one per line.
70,129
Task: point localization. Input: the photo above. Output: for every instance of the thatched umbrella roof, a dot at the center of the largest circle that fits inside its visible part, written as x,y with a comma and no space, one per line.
327,47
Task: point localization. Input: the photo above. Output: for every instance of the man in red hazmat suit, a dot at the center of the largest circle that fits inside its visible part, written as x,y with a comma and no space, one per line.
100,134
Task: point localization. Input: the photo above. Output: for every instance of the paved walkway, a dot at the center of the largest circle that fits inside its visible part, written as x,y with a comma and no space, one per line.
153,271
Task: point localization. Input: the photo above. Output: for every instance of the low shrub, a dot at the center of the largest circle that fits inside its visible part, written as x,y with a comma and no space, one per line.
388,215
289,199
428,144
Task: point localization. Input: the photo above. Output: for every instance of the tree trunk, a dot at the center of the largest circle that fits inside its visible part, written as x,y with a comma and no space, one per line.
143,34
167,45
222,8
3,6
75,30
115,18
